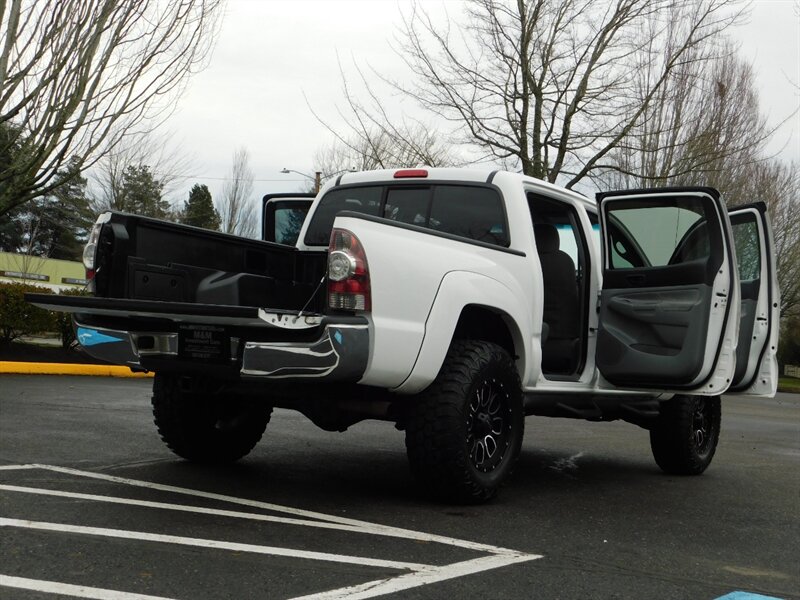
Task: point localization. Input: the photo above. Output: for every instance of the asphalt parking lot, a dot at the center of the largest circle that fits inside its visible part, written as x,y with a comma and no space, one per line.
93,505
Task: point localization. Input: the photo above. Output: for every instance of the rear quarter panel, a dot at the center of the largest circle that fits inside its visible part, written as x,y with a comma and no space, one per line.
413,273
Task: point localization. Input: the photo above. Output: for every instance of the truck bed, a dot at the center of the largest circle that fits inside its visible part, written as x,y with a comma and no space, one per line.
146,259
170,297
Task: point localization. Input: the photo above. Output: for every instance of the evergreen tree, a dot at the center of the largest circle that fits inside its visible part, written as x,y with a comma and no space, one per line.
52,226
199,209
64,218
141,193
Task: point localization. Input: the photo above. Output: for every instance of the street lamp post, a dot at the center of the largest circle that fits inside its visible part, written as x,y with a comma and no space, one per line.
317,178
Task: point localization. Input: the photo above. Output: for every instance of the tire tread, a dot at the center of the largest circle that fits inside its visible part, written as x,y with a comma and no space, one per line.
434,439
180,424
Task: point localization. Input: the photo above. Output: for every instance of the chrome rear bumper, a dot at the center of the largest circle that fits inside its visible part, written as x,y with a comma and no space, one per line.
340,353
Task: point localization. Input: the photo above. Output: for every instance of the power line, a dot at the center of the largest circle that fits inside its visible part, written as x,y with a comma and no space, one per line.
286,179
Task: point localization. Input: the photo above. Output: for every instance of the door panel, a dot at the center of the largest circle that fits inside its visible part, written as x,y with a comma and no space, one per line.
641,328
667,317
756,363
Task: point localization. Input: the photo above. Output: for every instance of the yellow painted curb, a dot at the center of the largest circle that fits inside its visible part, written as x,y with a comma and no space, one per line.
31,368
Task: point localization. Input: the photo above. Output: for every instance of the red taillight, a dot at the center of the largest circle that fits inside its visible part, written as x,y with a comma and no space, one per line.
404,173
348,273
89,274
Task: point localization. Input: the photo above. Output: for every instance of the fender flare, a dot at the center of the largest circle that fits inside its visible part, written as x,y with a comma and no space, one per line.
458,290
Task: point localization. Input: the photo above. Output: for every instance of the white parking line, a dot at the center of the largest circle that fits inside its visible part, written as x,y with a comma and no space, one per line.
215,544
416,574
183,508
381,587
362,526
67,589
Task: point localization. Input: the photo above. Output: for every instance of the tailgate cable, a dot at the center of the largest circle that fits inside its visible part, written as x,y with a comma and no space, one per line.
314,293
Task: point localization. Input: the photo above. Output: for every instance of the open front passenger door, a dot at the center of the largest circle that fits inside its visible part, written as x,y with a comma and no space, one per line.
669,305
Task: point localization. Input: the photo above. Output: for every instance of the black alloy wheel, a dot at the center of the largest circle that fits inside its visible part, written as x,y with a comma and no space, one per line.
684,439
464,432
489,425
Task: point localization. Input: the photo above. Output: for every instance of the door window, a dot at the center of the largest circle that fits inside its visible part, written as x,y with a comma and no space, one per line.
659,236
748,250
289,219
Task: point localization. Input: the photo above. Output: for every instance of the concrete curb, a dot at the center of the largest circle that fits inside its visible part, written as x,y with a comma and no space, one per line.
31,368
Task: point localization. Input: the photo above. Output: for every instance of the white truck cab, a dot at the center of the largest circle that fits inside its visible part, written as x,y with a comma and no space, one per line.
644,292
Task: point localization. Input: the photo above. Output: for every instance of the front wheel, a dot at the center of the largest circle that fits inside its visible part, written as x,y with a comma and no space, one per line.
464,432
685,436
206,427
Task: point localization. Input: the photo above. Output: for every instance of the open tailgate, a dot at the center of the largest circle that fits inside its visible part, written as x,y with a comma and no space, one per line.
178,312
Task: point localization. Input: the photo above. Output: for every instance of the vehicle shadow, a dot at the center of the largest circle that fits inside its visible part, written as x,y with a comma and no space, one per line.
329,476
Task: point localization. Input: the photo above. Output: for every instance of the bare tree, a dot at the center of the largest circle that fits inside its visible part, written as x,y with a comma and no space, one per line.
367,137
236,208
76,76
705,127
380,149
551,86
778,184
169,163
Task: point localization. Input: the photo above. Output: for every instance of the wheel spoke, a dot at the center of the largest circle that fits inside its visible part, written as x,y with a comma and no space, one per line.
490,445
488,417
480,453
699,438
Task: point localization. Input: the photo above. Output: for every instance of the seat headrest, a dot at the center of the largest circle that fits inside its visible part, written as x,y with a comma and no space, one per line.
547,239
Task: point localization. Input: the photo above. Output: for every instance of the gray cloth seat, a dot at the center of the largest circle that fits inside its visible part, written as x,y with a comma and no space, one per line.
561,315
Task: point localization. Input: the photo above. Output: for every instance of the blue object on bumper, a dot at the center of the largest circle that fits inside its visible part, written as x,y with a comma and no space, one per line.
109,345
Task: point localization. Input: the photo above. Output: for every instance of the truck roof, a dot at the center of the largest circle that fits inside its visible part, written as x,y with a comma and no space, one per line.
463,174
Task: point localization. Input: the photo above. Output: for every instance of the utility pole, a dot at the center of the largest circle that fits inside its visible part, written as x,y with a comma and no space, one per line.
317,181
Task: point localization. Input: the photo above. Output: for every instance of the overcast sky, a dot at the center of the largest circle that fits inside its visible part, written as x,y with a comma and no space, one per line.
273,54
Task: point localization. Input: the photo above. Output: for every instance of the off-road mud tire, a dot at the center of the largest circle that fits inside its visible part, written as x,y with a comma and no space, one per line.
476,396
685,436
206,427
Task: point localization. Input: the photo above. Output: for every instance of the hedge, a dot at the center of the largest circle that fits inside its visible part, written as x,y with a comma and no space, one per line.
19,318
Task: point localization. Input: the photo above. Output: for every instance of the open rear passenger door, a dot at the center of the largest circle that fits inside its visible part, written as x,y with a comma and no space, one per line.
669,305
756,362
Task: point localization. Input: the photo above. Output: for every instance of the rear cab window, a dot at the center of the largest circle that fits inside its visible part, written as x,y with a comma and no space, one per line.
473,212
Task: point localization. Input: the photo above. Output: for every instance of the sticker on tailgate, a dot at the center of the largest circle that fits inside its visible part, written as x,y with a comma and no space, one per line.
203,342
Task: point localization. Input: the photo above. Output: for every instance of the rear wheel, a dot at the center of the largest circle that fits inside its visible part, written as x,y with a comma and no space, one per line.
464,432
685,437
206,427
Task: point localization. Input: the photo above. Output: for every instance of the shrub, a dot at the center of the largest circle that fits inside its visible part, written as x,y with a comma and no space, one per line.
17,317
63,321
789,346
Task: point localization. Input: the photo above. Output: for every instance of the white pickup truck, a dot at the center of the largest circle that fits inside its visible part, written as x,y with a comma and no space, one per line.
453,302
